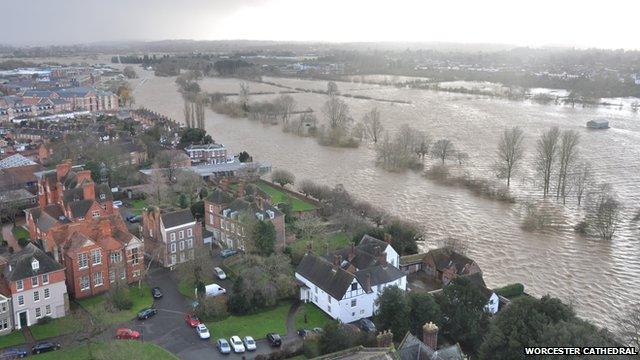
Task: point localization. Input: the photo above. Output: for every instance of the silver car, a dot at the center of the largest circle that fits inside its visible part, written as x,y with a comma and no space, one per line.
249,343
223,346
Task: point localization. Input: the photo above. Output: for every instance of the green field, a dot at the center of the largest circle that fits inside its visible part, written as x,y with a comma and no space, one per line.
315,317
56,327
278,196
111,350
11,339
141,299
256,325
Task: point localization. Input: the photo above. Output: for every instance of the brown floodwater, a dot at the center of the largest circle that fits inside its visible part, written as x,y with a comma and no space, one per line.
597,277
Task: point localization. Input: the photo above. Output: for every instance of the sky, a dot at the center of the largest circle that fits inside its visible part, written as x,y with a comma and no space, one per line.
586,23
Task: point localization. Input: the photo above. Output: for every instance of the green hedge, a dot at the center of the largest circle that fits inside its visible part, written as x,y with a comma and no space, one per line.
511,290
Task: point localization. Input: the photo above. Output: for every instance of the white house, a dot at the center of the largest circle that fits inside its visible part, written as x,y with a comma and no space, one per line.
347,286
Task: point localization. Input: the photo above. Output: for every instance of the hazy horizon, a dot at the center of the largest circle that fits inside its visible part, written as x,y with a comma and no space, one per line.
536,24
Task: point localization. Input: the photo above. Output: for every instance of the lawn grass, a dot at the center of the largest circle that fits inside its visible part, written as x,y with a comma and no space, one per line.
12,339
141,299
315,317
335,241
137,206
56,327
256,325
111,350
20,233
278,196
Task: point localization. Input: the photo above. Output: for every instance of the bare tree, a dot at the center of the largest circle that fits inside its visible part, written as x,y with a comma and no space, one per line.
443,149
194,270
282,177
546,153
156,188
188,114
332,88
188,182
454,244
286,104
244,96
399,152
567,155
422,144
582,179
336,112
510,152
171,161
373,124
629,325
603,213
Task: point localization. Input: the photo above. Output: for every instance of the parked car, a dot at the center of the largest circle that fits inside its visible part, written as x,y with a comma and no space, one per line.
156,292
274,339
124,333
134,218
213,290
236,344
13,353
117,204
249,343
202,331
303,333
45,346
147,313
318,330
219,273
223,346
191,320
227,253
367,325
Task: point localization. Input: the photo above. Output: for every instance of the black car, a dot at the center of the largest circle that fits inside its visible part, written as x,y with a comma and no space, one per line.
303,333
45,346
156,292
274,339
366,325
13,353
147,313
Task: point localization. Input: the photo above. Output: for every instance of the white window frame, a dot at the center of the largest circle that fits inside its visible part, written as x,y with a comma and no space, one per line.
83,261
172,236
20,300
95,214
19,285
38,313
36,282
115,257
96,254
47,293
112,276
123,274
98,276
189,232
87,282
182,245
45,279
47,310
189,243
36,296
173,248
181,234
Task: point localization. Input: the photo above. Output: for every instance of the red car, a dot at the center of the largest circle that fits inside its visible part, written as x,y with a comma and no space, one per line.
124,333
191,320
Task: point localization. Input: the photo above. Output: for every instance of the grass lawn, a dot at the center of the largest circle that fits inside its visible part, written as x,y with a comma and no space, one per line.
278,196
141,299
56,327
315,317
20,233
336,241
137,206
113,350
188,289
256,325
11,339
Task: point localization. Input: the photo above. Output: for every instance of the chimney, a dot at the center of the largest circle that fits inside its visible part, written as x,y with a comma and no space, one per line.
430,335
83,175
352,253
63,168
384,339
367,283
88,191
105,228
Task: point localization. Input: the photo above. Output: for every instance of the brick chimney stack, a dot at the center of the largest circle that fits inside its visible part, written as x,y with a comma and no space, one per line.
352,252
430,335
83,175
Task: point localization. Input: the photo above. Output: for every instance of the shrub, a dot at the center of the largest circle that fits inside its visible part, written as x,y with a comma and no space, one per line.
45,320
212,308
511,290
311,348
119,297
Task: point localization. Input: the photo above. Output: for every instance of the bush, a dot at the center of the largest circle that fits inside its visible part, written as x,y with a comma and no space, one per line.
212,308
119,297
511,290
311,348
45,320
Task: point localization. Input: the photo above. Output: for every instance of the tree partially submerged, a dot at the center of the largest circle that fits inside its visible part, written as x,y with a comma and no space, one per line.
546,154
510,153
283,177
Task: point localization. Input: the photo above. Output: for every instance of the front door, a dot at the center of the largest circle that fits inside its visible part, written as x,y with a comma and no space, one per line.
23,319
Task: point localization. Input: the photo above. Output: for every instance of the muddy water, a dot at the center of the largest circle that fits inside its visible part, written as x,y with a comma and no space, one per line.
597,277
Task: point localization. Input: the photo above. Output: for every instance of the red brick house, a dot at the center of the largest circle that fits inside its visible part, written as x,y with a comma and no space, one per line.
207,153
77,223
445,264
171,237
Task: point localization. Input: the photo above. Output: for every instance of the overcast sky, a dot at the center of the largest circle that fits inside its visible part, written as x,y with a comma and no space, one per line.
585,23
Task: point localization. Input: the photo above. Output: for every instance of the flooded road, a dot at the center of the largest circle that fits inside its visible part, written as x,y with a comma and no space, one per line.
597,277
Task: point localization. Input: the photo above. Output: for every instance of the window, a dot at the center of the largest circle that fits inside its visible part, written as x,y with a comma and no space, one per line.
47,310
315,288
189,232
35,265
211,209
83,260
3,307
84,283
353,303
173,247
181,245
4,323
34,281
329,298
112,276
96,256
45,279
38,313
354,286
123,274
115,257
36,296
20,300
189,243
135,256
97,279
173,259
173,236
95,214
19,285
181,234
47,293
329,308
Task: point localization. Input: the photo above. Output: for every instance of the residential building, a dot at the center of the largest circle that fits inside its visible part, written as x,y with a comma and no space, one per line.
6,309
225,214
347,286
77,223
207,153
37,286
411,348
171,237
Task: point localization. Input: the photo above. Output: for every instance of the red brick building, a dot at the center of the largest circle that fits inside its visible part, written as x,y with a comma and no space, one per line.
77,223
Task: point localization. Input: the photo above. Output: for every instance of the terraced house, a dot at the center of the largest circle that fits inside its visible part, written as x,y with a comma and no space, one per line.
77,223
171,237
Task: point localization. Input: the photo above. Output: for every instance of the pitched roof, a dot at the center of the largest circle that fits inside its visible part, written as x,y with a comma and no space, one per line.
177,218
219,196
19,265
380,274
411,348
445,258
332,280
15,161
79,208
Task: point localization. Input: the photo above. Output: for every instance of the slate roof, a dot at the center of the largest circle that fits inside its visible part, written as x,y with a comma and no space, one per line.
10,196
219,196
411,348
80,208
18,176
19,264
380,274
445,257
333,281
15,161
177,218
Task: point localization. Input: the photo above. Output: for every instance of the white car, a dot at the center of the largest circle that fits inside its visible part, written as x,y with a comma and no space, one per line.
249,343
212,290
236,344
202,331
219,273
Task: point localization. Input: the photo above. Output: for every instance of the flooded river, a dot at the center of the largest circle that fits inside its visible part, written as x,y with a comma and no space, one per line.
597,277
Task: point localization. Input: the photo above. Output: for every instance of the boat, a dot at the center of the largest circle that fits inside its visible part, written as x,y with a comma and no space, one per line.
598,124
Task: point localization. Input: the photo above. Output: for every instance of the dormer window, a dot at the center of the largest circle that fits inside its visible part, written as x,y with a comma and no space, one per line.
103,196
35,265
